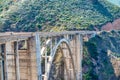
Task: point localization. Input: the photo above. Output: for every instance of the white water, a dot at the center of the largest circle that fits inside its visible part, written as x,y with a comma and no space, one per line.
116,2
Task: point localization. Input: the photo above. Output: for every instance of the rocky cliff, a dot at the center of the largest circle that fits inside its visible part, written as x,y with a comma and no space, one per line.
101,57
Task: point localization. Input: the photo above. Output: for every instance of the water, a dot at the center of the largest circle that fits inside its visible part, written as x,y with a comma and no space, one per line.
116,2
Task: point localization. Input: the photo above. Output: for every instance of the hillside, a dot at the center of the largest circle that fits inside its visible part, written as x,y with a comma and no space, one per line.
55,15
59,15
97,63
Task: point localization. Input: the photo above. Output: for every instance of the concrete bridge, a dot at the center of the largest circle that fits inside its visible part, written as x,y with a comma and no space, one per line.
42,55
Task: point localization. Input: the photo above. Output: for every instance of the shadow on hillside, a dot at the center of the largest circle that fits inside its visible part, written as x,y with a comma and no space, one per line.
101,9
98,51
108,66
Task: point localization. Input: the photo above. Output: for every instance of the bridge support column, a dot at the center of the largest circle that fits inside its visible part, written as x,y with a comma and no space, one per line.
66,62
1,65
9,61
38,56
32,55
79,44
17,61
81,55
68,72
77,51
1,70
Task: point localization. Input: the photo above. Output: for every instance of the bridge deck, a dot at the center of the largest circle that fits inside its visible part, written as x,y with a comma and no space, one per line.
14,36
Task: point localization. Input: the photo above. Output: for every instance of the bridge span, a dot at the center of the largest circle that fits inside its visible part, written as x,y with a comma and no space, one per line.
42,55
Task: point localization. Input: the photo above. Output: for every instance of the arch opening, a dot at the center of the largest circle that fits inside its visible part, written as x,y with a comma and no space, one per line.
61,57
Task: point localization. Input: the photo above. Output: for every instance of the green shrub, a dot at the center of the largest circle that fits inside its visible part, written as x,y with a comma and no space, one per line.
92,49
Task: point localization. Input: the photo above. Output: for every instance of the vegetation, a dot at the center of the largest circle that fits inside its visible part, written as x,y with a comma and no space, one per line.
96,59
92,49
58,15
88,67
55,15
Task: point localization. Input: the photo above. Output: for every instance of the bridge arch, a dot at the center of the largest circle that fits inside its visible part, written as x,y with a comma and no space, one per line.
47,43
54,52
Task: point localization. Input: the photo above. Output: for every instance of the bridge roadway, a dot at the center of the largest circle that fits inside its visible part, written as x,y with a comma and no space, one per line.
16,36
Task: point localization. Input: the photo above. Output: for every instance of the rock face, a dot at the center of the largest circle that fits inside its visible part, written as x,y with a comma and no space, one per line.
116,65
97,63
115,25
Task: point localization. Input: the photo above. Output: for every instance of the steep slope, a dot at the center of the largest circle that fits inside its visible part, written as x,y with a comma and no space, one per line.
98,63
29,15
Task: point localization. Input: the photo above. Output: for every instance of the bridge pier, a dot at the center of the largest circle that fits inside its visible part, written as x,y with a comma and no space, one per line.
67,63
68,60
38,56
1,64
77,51
10,61
33,63
17,65
79,56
